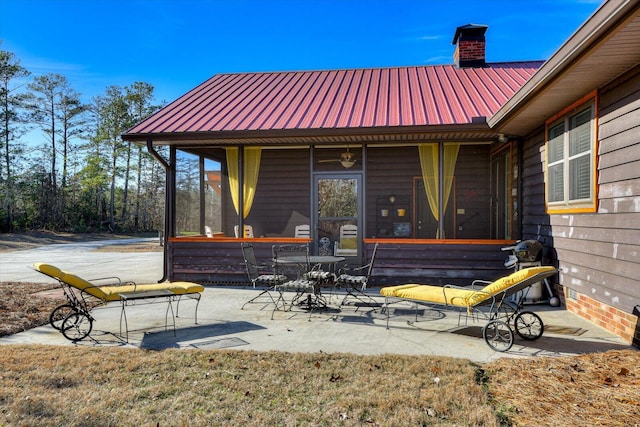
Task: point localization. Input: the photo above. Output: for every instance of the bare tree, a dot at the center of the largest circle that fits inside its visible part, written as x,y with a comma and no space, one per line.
71,114
114,120
12,127
140,96
71,117
47,105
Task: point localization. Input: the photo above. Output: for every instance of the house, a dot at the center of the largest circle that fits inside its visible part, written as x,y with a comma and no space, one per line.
578,119
439,165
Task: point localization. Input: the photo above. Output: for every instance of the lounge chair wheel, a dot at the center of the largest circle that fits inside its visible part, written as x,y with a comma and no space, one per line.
498,335
60,313
529,325
77,326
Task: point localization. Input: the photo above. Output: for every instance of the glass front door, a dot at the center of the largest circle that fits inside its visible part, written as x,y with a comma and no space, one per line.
338,204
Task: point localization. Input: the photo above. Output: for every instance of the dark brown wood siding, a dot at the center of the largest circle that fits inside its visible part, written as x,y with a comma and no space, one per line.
437,263
473,193
598,253
219,261
207,261
393,170
283,189
389,170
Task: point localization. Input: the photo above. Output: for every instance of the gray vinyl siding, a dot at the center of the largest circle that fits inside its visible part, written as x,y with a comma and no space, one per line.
535,221
598,253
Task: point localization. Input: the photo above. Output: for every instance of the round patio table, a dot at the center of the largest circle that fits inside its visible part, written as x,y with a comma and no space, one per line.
317,300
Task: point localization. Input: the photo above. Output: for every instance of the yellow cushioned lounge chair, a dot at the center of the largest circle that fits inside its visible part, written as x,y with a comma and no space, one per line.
497,333
73,319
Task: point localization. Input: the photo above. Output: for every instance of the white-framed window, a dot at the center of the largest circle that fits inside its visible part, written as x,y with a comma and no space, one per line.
571,160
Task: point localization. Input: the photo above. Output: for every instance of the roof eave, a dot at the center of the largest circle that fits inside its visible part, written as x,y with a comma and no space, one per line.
548,86
324,135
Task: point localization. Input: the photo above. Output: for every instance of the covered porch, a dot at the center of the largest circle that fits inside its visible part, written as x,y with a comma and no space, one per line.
390,193
403,156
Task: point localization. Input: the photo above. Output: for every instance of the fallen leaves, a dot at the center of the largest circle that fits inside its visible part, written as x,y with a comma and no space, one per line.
335,378
23,308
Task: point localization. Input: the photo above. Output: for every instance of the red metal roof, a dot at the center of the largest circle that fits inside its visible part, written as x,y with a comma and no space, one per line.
335,99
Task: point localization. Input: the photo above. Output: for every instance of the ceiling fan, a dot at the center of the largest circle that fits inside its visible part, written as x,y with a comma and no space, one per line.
347,159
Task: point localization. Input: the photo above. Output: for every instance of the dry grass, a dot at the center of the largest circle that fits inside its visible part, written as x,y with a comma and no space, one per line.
44,385
600,389
132,247
82,386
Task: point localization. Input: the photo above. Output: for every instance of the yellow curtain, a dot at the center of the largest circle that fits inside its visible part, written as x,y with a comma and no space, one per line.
429,162
252,157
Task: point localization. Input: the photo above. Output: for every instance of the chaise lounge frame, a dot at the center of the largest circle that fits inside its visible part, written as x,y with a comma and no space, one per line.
490,302
74,319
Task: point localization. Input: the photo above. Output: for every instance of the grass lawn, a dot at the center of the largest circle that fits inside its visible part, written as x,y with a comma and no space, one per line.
47,385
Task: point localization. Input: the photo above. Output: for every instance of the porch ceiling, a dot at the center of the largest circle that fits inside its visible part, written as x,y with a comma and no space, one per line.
605,47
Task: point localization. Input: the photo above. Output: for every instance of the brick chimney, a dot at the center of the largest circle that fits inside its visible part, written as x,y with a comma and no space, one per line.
470,46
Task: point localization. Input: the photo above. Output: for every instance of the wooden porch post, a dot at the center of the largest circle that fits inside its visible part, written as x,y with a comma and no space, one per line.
441,189
241,191
202,194
171,194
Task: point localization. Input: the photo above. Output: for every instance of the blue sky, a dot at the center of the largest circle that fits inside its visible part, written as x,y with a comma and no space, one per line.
175,45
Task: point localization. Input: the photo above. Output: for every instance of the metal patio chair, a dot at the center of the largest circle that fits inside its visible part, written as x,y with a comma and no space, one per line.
348,244
355,281
292,261
270,280
302,231
74,319
248,231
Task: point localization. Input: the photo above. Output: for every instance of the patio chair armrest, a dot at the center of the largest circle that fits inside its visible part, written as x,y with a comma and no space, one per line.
347,269
316,267
480,282
115,281
456,287
261,266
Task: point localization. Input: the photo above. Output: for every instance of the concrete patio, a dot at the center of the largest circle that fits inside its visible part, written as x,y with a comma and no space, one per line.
222,323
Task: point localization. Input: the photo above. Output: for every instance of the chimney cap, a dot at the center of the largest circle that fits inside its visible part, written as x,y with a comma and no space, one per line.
469,31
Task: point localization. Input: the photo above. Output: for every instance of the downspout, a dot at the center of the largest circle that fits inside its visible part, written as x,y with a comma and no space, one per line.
167,204
363,191
202,194
313,220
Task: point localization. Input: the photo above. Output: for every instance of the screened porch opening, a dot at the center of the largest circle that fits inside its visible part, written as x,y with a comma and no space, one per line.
198,195
398,189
